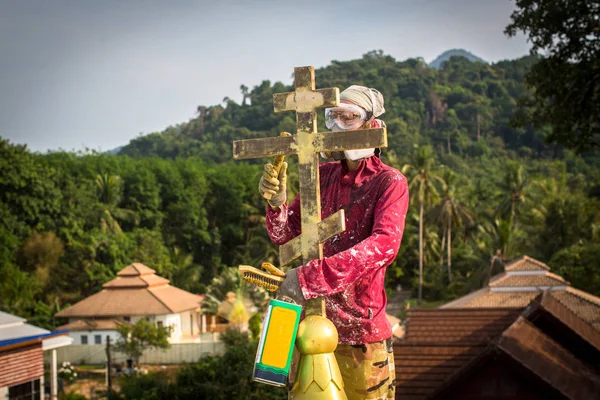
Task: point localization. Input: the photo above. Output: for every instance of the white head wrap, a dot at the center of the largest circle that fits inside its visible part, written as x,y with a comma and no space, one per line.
368,98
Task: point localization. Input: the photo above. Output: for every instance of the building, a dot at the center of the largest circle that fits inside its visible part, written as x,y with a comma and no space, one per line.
521,282
22,348
528,335
135,293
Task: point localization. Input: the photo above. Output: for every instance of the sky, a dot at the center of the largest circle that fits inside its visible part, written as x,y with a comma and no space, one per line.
83,74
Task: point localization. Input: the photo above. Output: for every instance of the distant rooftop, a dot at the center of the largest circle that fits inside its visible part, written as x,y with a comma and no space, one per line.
136,290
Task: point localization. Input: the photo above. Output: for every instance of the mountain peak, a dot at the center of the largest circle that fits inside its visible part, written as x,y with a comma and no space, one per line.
445,56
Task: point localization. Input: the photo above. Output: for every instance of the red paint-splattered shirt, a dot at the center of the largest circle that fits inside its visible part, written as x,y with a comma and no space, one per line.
351,275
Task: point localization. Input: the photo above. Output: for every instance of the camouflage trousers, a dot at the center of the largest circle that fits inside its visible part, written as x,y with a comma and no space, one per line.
368,370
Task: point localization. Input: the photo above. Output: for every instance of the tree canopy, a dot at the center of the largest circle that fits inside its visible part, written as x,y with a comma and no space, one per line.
565,82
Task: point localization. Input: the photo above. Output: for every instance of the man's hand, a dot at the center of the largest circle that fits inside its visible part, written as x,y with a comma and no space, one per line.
290,288
275,184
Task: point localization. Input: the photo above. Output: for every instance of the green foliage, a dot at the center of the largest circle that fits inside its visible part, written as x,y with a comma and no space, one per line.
212,377
71,396
141,336
566,80
153,386
228,376
579,265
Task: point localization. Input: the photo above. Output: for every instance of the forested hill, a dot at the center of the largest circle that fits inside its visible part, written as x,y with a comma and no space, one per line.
176,201
463,108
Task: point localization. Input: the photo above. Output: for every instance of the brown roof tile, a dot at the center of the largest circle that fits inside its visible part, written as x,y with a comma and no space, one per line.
438,343
548,279
136,281
135,291
93,324
175,299
547,359
549,302
117,303
136,269
585,305
503,299
527,263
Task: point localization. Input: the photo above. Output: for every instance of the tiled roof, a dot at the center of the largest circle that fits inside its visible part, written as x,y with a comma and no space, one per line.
549,302
586,306
438,343
443,348
548,279
582,304
136,269
93,325
135,291
503,299
527,263
548,360
136,281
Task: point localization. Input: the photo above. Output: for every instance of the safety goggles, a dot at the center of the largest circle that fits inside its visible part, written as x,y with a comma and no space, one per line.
345,117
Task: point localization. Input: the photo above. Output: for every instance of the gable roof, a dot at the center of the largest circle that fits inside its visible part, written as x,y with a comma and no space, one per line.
439,343
523,281
443,347
135,291
544,357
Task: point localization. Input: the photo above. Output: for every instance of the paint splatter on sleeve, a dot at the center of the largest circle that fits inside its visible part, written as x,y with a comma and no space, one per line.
336,273
283,224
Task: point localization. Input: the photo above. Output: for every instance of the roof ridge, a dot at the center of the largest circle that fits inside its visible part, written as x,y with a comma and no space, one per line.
151,291
584,295
538,262
555,276
497,278
523,258
150,271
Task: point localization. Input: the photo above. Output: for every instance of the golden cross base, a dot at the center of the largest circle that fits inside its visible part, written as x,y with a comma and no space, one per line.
318,375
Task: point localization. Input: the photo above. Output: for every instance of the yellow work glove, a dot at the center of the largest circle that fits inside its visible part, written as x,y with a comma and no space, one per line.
272,185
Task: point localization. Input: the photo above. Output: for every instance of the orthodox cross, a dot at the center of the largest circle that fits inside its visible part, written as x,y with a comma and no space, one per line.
307,144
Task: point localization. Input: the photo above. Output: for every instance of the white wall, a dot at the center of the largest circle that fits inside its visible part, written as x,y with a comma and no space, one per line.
76,335
186,324
177,354
179,322
3,393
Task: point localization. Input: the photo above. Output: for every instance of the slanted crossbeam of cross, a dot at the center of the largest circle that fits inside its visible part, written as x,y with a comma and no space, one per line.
307,144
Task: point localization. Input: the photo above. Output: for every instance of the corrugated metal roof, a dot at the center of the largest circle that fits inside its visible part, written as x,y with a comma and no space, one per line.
14,330
21,330
9,319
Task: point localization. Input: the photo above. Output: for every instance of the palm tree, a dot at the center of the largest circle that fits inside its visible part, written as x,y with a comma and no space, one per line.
184,273
108,188
421,181
448,213
513,192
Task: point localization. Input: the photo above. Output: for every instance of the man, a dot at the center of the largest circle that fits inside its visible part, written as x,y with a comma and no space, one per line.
351,275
